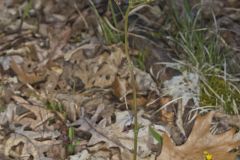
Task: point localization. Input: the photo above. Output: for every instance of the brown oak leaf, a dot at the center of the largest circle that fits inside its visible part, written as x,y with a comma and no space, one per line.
200,140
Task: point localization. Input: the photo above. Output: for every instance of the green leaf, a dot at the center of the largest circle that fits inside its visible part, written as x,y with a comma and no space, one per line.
71,133
155,134
70,148
27,9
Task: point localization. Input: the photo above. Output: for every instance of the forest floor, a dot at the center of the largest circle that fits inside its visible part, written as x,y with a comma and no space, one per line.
65,79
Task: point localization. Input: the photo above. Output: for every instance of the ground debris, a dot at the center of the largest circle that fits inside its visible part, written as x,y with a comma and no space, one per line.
66,91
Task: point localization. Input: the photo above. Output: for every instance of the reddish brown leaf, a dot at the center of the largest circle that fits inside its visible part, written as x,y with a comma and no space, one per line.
24,77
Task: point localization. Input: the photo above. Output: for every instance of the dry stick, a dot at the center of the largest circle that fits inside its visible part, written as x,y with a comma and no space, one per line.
133,84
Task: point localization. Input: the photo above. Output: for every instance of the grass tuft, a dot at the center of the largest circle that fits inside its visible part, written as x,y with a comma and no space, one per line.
202,52
110,35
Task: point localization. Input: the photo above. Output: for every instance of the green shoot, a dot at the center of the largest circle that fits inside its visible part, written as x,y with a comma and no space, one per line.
140,60
71,145
155,135
54,106
133,82
27,9
111,36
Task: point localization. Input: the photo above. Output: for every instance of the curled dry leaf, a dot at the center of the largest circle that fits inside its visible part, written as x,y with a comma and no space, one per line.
201,140
8,115
41,114
117,134
144,83
81,156
53,78
140,101
120,87
121,90
122,83
89,101
35,144
101,70
5,61
24,77
232,120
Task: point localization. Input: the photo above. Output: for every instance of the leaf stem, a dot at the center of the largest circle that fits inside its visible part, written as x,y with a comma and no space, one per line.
133,84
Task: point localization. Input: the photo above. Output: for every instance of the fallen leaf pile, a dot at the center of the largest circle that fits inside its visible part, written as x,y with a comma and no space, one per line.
65,93
30,134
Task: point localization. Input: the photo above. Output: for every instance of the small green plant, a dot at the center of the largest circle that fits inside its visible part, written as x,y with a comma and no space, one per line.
133,82
2,109
110,35
155,135
140,60
132,79
27,9
72,141
58,109
55,106
110,31
71,145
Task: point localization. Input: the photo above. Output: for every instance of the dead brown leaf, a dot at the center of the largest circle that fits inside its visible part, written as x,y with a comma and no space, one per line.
140,101
166,115
27,144
120,87
53,78
24,77
232,120
119,134
101,70
41,114
201,140
26,136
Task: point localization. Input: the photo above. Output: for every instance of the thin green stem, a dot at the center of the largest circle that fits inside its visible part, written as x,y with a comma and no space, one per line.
133,84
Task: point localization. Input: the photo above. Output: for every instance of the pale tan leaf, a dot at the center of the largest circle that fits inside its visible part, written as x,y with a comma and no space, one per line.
41,114
113,135
29,145
201,140
101,70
